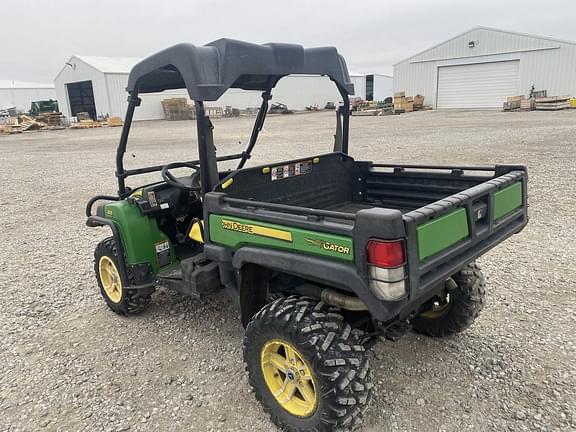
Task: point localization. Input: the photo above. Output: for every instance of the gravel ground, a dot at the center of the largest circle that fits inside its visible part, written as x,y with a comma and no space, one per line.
68,364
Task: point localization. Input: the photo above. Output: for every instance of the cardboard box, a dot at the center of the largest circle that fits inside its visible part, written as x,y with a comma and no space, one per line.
511,99
408,106
418,100
527,104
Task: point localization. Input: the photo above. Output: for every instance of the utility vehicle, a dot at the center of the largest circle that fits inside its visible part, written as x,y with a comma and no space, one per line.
324,254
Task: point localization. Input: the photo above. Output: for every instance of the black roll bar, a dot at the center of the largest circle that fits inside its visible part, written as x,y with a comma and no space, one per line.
206,150
345,113
133,102
258,125
155,168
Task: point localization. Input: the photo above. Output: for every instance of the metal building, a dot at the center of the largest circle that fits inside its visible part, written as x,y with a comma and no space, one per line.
20,95
97,85
359,81
370,87
483,66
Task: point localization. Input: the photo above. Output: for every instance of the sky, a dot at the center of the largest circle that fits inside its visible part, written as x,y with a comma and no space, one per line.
39,36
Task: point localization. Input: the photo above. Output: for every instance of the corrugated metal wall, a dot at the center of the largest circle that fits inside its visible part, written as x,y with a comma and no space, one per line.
359,82
151,107
22,98
383,87
544,63
295,91
298,92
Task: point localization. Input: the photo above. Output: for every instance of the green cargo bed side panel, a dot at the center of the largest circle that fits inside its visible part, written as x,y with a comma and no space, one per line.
140,234
506,200
237,232
439,234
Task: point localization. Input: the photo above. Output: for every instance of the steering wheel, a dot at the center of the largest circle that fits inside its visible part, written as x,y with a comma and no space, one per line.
173,181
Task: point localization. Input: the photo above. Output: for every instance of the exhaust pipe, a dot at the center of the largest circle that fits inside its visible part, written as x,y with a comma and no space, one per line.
332,297
342,301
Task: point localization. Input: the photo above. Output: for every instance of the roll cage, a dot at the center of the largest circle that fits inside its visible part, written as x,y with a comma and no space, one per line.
208,71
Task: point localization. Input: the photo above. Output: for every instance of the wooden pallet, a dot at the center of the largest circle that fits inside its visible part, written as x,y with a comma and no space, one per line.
368,112
10,129
114,122
552,106
86,124
51,119
30,125
551,99
527,104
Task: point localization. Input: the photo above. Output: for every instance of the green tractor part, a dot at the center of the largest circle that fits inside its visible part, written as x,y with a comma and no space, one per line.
44,106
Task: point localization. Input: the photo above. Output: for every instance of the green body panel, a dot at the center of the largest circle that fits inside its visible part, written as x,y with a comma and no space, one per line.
237,232
139,233
507,200
439,234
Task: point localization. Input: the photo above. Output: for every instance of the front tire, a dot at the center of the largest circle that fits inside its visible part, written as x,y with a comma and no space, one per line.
120,299
458,309
306,366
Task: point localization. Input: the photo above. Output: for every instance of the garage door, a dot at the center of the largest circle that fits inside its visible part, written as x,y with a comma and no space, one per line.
482,85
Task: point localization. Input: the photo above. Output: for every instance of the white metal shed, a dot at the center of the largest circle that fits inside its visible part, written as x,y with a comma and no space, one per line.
20,94
483,66
373,86
97,85
359,81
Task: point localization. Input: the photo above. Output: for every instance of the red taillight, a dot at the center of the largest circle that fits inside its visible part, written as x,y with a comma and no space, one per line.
387,254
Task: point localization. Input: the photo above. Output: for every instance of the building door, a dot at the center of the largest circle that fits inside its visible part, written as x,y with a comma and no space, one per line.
480,85
81,97
369,87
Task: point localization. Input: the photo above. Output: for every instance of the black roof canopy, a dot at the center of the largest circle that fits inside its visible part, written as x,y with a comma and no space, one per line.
208,71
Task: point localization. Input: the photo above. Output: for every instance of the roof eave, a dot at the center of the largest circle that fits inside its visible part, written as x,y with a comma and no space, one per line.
483,28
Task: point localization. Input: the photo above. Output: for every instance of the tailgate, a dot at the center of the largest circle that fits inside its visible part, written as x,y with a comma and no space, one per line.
445,235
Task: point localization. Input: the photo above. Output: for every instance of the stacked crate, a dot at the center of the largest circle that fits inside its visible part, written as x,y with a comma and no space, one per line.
552,103
513,103
52,119
418,102
178,109
403,104
527,104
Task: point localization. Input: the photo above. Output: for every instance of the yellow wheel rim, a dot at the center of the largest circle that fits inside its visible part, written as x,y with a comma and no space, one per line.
110,278
438,309
289,378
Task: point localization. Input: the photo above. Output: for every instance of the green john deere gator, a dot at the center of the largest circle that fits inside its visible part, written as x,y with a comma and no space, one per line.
323,254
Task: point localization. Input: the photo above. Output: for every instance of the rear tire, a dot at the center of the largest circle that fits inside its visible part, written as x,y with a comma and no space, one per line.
326,348
121,300
464,305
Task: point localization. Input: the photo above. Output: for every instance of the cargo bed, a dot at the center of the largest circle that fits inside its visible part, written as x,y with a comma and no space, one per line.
448,215
339,183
